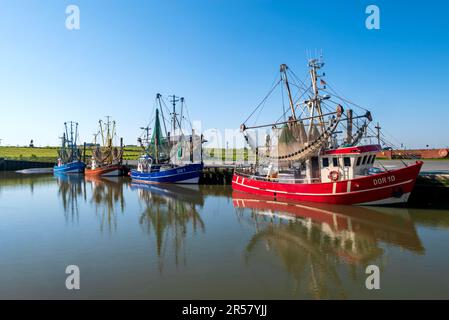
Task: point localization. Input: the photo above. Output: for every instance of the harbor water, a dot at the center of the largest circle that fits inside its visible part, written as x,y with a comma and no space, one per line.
133,241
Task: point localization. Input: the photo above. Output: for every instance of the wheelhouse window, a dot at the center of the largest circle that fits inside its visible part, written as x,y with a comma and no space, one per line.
373,159
359,159
325,162
369,159
335,162
364,160
347,161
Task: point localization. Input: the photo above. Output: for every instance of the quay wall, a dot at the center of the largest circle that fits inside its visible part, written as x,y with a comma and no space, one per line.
14,165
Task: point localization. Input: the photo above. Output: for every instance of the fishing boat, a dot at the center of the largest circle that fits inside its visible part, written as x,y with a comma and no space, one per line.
69,160
312,153
173,157
107,160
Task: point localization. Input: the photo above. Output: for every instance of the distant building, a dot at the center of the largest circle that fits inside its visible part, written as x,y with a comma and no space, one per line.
92,145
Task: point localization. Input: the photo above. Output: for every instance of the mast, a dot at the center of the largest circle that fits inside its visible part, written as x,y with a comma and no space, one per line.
156,149
349,127
108,131
101,131
378,127
71,135
63,142
284,72
76,133
66,132
315,65
156,135
158,98
174,99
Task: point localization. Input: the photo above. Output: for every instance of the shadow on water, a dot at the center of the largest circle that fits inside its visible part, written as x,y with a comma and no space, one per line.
315,241
168,212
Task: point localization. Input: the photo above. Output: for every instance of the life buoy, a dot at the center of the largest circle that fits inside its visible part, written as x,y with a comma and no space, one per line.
334,175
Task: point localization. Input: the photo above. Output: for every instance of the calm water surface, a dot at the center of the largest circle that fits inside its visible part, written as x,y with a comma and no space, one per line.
148,242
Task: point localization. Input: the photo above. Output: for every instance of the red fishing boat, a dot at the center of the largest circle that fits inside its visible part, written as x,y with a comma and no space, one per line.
304,157
107,160
112,170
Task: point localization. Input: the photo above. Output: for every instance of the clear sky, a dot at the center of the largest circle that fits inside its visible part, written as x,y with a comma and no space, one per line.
221,55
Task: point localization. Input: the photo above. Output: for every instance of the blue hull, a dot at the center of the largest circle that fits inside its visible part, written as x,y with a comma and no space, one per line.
72,167
189,173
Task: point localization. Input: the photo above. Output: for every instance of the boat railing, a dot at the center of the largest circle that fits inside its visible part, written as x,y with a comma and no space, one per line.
277,179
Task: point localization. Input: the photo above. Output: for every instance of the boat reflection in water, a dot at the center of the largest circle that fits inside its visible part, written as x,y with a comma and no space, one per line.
316,241
107,196
169,212
71,187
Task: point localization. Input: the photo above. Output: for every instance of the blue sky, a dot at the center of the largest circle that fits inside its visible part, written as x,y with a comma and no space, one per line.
222,56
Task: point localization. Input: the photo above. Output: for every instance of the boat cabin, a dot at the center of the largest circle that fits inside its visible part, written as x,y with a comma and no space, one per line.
347,163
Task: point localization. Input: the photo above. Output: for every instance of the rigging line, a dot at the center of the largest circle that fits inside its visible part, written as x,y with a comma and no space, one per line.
343,98
263,101
163,116
297,78
188,117
165,105
168,110
296,106
389,134
354,113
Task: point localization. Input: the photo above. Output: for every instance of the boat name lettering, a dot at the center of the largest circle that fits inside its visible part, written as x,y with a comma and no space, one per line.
384,180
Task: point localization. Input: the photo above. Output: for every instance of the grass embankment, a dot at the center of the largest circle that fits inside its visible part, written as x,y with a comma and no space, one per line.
50,154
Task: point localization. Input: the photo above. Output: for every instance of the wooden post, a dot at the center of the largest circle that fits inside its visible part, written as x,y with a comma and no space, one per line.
257,157
121,150
191,148
201,148
349,127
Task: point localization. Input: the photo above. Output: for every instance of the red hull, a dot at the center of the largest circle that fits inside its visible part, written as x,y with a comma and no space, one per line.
110,170
388,187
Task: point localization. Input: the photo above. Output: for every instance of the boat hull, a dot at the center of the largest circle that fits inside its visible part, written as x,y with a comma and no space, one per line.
107,171
186,174
390,187
71,167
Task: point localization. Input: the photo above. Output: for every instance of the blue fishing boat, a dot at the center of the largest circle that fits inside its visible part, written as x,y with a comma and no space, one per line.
189,173
173,158
69,160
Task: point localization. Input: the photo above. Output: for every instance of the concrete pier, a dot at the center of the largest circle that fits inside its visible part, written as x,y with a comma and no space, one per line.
14,165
